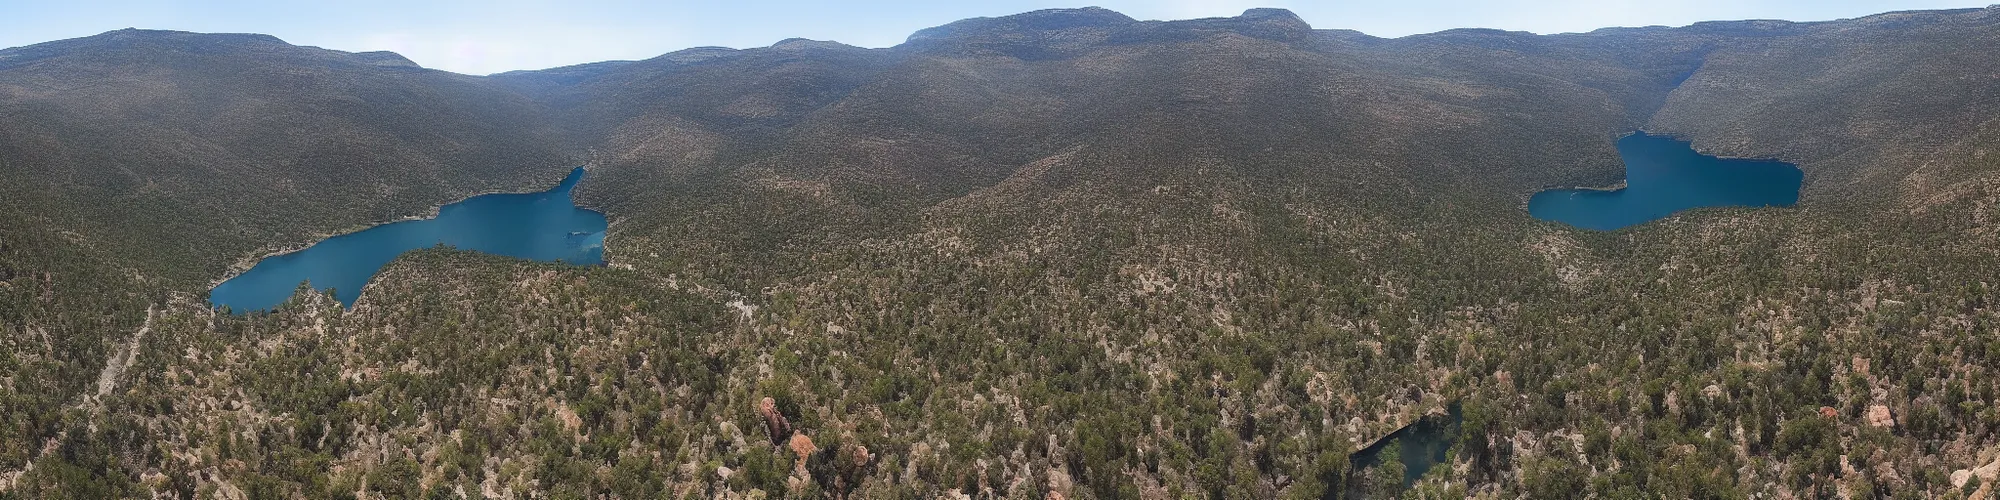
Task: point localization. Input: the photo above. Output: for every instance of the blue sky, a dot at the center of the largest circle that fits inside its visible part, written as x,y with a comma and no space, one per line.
487,36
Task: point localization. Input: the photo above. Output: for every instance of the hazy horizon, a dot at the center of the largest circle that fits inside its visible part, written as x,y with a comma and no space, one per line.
490,37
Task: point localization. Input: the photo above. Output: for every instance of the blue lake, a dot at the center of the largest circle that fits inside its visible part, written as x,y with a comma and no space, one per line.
1664,175
543,226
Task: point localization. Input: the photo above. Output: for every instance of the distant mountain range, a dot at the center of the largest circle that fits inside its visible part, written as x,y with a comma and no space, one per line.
1063,253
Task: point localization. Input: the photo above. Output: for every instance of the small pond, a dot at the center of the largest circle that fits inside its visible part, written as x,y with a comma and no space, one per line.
1418,447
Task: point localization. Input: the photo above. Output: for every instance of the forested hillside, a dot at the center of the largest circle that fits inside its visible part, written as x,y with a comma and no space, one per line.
1061,254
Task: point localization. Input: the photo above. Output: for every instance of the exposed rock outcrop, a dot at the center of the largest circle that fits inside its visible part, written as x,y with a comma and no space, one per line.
1879,416
775,424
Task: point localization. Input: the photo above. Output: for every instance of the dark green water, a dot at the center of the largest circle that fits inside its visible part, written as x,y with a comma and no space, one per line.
1663,176
1420,446
543,226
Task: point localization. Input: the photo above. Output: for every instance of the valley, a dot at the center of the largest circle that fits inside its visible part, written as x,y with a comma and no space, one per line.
1058,254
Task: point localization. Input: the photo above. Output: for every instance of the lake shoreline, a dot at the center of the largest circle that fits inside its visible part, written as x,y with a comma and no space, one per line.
1615,187
244,264
1671,176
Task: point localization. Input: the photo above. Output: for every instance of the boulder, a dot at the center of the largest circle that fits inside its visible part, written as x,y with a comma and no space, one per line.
1879,416
802,446
1986,474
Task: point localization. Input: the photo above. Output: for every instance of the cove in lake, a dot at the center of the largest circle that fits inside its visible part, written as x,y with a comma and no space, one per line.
1664,175
544,226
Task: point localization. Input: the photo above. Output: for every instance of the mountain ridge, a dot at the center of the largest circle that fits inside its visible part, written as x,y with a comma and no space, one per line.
1057,19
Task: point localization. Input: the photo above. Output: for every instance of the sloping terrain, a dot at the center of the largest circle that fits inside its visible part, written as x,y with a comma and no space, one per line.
195,145
1063,253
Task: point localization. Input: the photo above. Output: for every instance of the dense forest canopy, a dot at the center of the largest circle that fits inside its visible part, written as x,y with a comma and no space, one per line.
1060,254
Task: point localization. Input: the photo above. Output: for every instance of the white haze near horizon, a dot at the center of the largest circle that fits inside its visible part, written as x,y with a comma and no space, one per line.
490,36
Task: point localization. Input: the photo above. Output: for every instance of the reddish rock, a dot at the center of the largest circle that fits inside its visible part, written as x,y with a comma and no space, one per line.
1828,412
774,423
861,456
803,446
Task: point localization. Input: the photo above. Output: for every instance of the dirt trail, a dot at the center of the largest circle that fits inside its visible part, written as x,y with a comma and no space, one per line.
122,359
